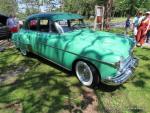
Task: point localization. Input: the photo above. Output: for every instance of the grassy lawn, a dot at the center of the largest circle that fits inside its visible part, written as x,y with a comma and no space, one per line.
119,19
113,20
42,87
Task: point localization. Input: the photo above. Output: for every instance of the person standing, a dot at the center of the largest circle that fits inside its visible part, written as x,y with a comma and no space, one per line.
127,25
12,24
143,30
136,22
148,37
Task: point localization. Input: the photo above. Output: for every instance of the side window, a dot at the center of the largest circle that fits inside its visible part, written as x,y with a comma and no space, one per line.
52,27
66,25
44,25
32,24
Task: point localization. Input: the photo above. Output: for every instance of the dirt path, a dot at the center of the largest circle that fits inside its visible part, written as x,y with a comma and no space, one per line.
91,98
5,44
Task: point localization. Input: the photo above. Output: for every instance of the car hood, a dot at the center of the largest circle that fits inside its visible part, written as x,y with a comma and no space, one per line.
104,43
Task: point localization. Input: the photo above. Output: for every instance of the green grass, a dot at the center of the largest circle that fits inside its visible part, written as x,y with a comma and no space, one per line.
113,20
133,96
118,30
121,31
119,19
47,88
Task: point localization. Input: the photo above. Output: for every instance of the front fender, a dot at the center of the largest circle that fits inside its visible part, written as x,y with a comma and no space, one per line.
21,40
105,69
105,64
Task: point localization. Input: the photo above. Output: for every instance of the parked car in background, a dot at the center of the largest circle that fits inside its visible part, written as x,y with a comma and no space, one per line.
63,38
4,31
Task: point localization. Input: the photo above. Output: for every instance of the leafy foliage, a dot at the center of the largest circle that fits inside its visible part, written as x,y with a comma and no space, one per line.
8,7
120,7
83,7
115,8
124,7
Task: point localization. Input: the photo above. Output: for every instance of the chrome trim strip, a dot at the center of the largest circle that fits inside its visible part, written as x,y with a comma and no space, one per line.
86,58
53,62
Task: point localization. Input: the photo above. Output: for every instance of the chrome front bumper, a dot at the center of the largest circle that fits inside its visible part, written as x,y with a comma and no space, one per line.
124,73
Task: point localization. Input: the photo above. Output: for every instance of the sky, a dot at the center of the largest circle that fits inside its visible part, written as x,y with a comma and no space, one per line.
54,3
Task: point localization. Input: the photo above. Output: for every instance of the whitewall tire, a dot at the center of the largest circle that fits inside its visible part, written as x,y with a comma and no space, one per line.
86,73
23,52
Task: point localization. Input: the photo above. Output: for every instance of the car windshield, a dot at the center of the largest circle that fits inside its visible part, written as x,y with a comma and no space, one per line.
70,25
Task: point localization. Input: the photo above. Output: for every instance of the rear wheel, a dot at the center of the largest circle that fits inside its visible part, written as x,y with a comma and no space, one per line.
23,52
86,73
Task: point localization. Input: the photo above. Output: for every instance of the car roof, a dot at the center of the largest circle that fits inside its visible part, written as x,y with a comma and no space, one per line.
3,19
57,16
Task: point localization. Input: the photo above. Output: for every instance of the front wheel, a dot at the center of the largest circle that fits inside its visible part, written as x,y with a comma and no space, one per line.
86,73
23,52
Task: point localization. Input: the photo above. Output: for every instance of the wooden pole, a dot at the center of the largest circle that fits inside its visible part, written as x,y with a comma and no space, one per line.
101,10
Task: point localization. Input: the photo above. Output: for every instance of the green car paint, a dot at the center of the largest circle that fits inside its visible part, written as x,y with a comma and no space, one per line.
102,49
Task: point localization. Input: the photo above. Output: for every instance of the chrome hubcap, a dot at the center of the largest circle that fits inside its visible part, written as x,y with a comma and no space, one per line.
23,51
84,73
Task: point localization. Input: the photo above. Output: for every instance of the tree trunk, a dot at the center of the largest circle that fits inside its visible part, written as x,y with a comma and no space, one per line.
108,8
133,5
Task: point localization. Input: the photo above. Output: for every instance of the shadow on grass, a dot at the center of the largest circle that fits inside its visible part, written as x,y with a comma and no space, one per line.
87,100
50,92
136,109
38,92
145,48
42,60
42,91
144,57
139,83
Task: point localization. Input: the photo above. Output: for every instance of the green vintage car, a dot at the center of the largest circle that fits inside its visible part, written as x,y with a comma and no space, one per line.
64,39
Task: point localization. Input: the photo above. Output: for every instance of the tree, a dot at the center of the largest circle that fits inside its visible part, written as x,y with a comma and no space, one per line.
37,6
108,8
124,7
87,7
8,7
83,7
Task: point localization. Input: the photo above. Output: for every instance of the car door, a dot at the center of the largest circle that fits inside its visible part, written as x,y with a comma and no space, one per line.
52,48
42,34
47,38
31,33
56,43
